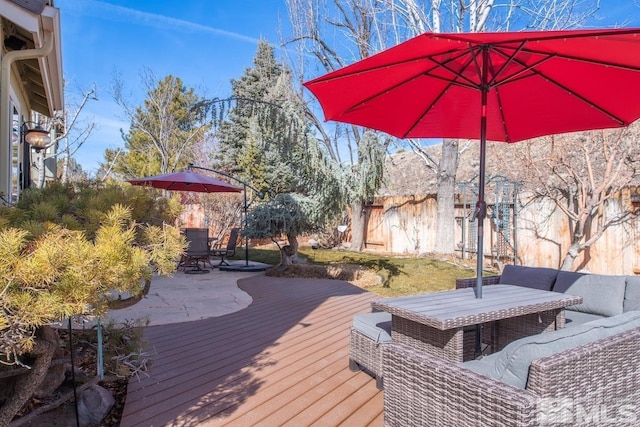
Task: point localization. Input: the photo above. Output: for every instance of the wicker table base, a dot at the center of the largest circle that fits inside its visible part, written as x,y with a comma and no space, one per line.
443,324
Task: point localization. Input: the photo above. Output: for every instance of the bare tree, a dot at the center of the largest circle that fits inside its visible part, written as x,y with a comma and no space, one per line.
70,133
74,132
581,174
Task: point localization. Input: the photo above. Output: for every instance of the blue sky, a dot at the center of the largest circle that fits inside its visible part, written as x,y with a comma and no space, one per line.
204,42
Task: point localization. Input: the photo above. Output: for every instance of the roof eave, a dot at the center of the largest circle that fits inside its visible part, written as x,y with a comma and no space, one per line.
40,27
51,65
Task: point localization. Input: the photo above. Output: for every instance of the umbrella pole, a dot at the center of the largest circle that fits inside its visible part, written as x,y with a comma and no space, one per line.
480,214
246,223
481,206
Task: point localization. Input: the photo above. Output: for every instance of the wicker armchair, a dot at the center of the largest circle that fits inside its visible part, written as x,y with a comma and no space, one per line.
424,390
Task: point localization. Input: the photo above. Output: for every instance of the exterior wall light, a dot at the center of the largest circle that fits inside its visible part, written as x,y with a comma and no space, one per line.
37,137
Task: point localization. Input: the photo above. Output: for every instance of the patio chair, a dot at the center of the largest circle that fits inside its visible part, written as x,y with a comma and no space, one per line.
197,253
229,250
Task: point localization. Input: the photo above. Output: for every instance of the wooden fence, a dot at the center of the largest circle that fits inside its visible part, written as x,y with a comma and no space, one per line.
407,225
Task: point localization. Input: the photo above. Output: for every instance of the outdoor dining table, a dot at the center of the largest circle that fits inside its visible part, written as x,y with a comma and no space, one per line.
441,323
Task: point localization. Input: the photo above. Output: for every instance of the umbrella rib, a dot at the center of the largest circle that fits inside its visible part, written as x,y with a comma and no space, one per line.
572,92
504,122
386,89
329,78
585,60
471,84
412,78
518,75
582,98
426,110
532,69
457,75
510,58
474,59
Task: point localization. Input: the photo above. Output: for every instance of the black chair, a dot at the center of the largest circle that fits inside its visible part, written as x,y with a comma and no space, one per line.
230,249
197,252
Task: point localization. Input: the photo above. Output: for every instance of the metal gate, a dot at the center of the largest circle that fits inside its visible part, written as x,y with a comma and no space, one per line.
501,212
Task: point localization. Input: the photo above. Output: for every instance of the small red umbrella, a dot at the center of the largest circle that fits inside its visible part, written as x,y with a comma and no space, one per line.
186,181
505,86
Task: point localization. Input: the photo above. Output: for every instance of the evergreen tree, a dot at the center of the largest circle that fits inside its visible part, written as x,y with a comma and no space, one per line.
63,251
165,132
237,135
266,139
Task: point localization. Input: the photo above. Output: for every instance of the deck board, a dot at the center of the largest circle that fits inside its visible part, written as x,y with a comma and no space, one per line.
281,361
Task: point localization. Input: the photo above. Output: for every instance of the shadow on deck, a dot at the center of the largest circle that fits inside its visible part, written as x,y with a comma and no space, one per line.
281,361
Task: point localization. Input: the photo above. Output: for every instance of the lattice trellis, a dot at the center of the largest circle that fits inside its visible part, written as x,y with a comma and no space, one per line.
501,212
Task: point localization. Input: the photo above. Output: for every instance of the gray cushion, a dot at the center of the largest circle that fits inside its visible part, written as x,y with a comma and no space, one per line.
484,366
632,294
575,318
511,365
601,294
529,277
376,326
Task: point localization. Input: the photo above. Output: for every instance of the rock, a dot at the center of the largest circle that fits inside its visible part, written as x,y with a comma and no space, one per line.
54,379
94,404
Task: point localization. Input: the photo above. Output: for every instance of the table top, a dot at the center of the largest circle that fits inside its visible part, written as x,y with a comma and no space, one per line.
460,307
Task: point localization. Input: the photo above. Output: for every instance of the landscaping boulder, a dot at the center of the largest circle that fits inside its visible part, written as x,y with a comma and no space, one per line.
94,404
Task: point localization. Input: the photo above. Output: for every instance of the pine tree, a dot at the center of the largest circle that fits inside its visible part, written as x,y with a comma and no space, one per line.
267,137
165,131
63,251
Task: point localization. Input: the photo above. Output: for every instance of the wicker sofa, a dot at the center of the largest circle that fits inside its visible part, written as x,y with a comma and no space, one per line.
585,374
577,386
603,295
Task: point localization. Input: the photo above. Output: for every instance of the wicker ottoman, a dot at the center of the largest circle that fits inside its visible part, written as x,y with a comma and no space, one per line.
369,333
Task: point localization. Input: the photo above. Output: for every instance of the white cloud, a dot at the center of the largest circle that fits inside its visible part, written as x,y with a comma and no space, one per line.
125,14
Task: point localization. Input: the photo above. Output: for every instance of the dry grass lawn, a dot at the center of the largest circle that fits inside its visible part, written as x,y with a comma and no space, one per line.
384,275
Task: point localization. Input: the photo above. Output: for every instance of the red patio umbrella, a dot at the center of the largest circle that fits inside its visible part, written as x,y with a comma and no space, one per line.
507,86
186,181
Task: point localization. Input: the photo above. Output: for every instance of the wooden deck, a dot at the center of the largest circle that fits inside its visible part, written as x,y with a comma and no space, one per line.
281,361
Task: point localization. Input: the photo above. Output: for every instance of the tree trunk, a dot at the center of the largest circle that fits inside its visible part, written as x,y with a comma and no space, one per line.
46,343
65,168
288,252
41,168
445,235
358,225
570,257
